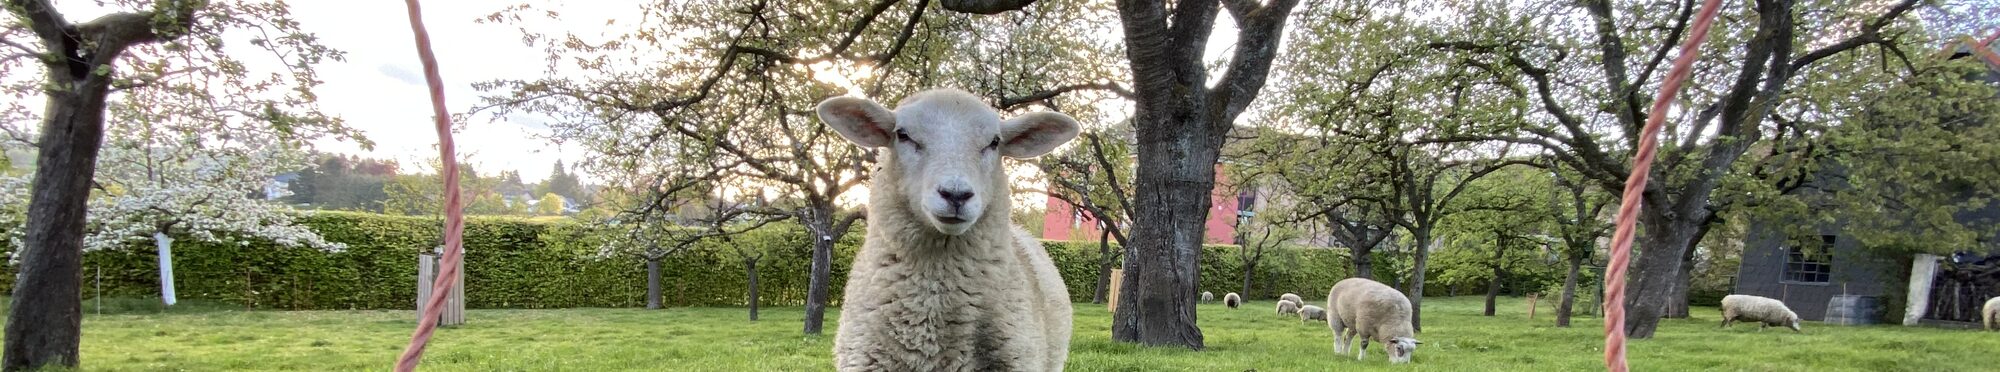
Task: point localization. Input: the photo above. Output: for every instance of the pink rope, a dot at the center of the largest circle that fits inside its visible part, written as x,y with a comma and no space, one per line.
1635,186
454,223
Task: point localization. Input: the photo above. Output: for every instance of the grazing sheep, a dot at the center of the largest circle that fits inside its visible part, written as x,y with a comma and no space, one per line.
1293,298
1232,300
1764,310
1287,307
1991,312
1375,312
944,281
1310,312
1207,296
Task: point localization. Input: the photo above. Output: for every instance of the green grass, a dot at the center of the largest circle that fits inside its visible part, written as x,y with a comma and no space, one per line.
213,337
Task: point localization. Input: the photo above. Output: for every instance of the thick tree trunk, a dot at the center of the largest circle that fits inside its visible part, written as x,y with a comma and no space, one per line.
1174,179
166,248
1423,240
1654,272
750,271
1104,261
822,271
1364,262
1677,300
1565,309
652,283
45,323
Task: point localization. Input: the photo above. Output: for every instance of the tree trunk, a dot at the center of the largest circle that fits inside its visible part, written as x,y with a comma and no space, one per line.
1104,261
652,283
822,269
750,271
1175,176
45,324
1564,309
1423,240
1677,300
166,249
1499,275
1653,273
1364,262
1250,270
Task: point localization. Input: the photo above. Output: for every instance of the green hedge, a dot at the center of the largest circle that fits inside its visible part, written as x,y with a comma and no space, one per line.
516,263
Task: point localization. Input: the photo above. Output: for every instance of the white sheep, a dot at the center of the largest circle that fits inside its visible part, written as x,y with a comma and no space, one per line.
1232,300
1292,297
1375,312
1769,312
944,280
1311,313
1991,312
1287,307
1207,296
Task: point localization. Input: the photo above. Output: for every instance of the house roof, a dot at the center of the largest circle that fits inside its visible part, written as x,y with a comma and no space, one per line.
1986,49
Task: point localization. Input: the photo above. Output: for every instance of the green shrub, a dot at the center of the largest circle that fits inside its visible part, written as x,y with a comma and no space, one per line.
525,263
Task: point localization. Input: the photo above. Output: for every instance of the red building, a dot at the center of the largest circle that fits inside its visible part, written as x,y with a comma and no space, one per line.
1063,221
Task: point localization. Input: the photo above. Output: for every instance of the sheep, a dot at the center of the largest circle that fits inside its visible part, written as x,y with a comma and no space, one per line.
1310,313
1293,298
1764,310
1232,300
1991,312
1375,312
1207,296
1287,307
944,281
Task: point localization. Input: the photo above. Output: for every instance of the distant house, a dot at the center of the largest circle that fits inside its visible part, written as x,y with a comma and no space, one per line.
280,185
1062,221
1807,273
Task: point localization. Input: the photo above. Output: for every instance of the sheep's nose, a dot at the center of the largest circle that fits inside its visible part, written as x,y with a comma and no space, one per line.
957,198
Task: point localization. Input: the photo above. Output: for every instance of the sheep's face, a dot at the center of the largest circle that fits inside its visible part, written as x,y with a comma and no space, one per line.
944,149
1401,348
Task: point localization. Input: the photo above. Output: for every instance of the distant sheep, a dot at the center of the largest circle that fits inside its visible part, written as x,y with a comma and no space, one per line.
944,281
1293,298
1311,313
1287,307
1991,312
1232,300
1366,308
1207,296
1763,310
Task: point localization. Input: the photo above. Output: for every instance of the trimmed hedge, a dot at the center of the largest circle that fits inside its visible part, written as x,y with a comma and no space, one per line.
517,263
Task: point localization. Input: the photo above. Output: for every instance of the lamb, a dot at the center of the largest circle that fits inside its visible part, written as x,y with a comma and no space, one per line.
1310,313
1991,312
1287,307
1207,296
1293,298
1232,300
944,281
1375,312
1765,310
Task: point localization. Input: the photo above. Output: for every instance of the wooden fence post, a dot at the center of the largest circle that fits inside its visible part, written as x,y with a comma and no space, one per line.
1111,294
454,302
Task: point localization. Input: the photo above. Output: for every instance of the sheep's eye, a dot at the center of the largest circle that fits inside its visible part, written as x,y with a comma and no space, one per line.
993,145
904,137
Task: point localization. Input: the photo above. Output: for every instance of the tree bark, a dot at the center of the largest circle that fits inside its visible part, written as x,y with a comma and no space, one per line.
1568,304
750,271
1423,240
1677,300
1250,268
822,271
1655,270
652,283
45,326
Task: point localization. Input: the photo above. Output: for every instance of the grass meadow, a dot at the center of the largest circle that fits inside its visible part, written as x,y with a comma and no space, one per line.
133,336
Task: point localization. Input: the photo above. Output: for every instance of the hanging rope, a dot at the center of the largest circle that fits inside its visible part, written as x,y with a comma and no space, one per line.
1635,186
454,223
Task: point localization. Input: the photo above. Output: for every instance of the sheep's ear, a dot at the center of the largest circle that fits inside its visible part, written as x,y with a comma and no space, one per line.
859,120
1034,134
